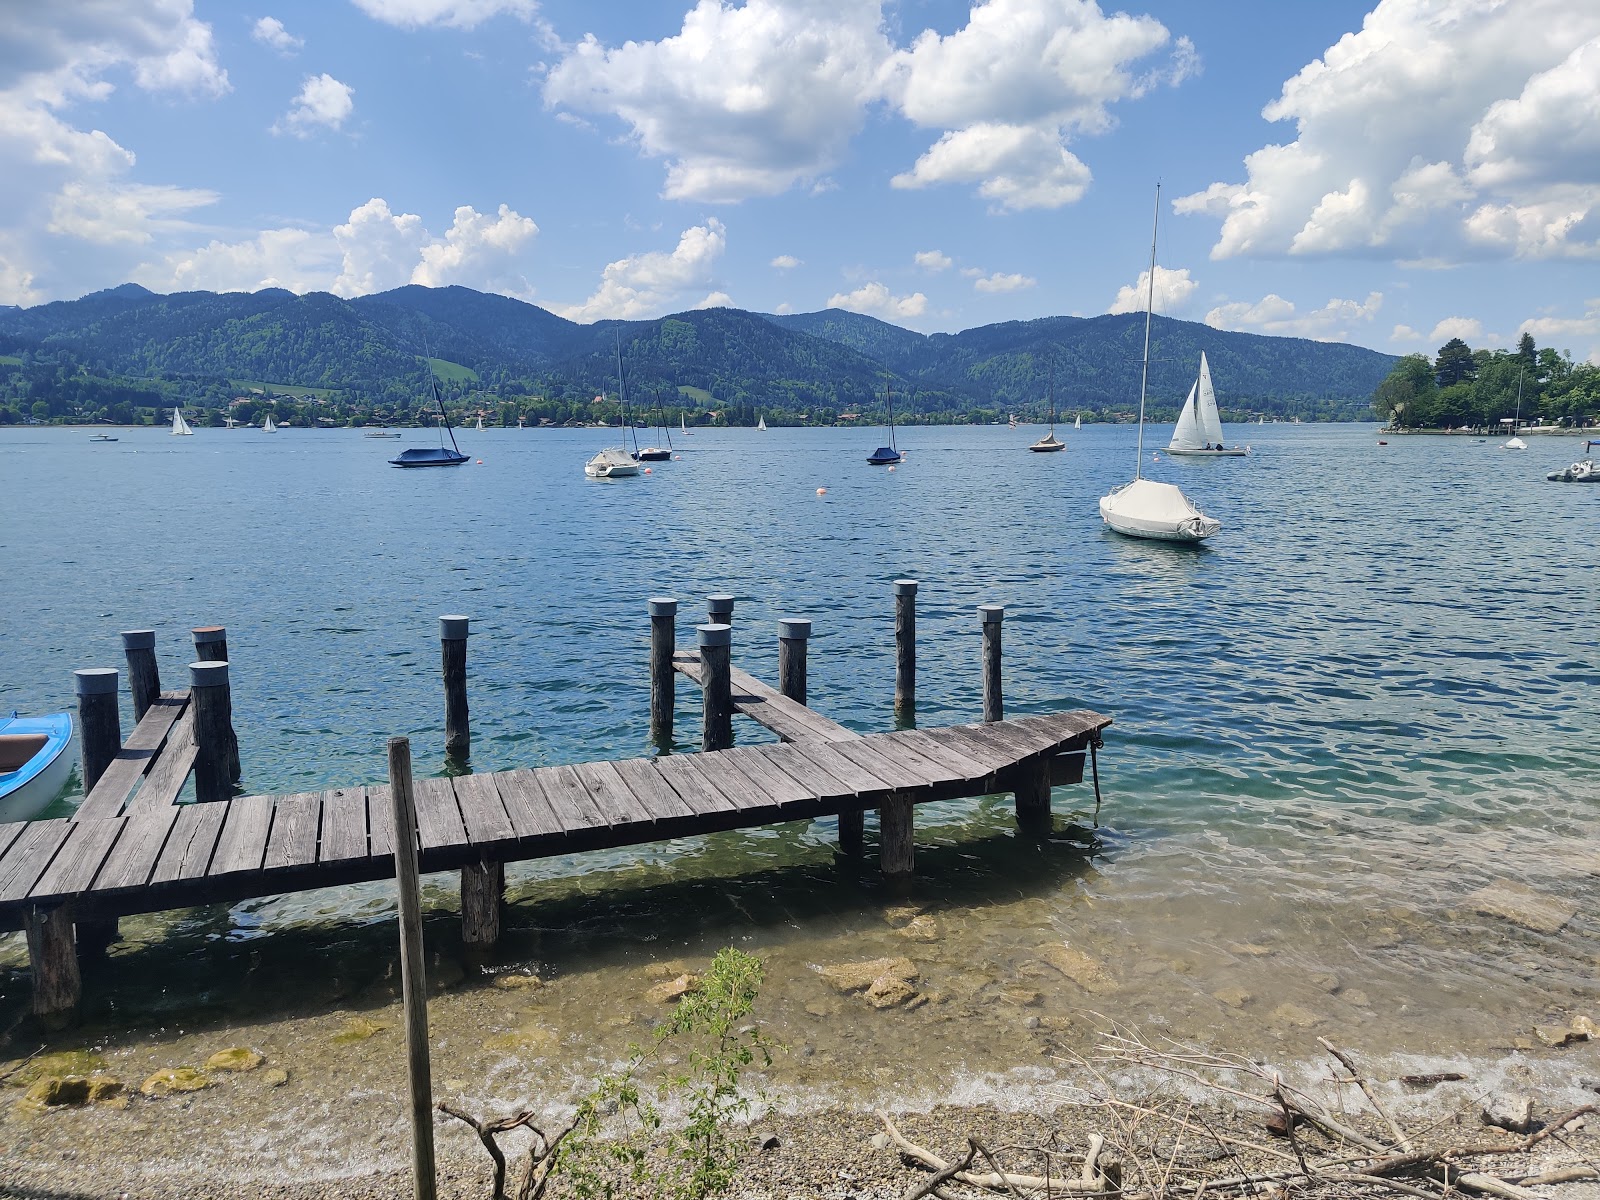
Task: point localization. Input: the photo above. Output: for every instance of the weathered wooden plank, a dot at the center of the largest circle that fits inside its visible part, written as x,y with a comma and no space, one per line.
734,783
569,800
776,785
29,857
917,769
972,741
693,788
482,811
133,859
767,706
791,759
191,843
438,815
848,771
652,791
243,844
9,833
79,860
344,825
526,805
295,827
172,766
1022,742
138,754
970,768
380,820
612,796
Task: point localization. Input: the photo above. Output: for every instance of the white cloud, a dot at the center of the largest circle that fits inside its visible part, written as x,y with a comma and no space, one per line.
379,249
784,309
269,31
473,247
643,285
971,272
1442,131
785,262
742,101
716,300
874,300
452,14
1335,321
323,101
296,259
1583,331
133,213
1468,329
1015,166
933,260
1003,283
1172,292
1405,335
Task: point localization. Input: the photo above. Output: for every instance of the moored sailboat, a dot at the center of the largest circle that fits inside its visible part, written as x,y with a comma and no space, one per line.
1049,442
614,462
887,456
1199,429
433,456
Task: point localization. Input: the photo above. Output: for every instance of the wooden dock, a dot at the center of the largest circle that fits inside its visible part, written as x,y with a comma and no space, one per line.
129,848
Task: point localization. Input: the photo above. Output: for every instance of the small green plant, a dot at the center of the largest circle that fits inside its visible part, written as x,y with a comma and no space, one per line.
615,1144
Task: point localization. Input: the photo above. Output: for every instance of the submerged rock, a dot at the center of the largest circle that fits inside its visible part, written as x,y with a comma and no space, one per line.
171,1081
235,1058
859,976
275,1077
889,991
358,1029
669,990
1233,997
53,1091
62,1063
1522,906
1293,1014
900,915
515,982
1087,972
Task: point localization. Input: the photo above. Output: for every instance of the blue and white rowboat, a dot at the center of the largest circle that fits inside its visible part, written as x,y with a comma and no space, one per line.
35,763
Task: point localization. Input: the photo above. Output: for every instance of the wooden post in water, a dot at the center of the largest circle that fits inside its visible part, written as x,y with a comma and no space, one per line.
994,708
57,985
483,894
663,679
144,675
793,633
716,686
453,652
212,701
413,978
897,853
99,721
1033,794
719,609
211,645
905,647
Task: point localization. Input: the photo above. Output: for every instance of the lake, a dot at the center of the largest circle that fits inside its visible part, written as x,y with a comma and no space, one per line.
1366,700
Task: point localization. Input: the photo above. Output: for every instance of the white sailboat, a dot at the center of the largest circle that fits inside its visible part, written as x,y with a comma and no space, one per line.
1517,443
1199,429
1077,422
1049,443
684,429
269,427
761,424
480,422
1143,508
180,427
614,462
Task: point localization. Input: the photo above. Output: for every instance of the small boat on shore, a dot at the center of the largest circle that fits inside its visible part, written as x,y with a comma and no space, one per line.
34,763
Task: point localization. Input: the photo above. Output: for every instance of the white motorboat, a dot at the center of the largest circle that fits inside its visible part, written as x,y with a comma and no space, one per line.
1144,508
180,427
35,763
611,463
1582,471
1199,430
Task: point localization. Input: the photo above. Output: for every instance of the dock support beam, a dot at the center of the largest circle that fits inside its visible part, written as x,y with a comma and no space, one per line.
483,894
793,634
211,645
144,676
57,986
994,708
719,609
897,853
905,648
663,679
99,721
1033,794
716,686
453,653
212,699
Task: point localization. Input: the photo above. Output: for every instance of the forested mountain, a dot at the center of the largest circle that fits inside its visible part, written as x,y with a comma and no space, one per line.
368,358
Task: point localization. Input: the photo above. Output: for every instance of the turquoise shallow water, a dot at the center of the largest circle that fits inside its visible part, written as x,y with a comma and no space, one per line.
1369,697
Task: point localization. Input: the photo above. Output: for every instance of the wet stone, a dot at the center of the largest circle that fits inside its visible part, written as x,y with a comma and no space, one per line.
235,1058
1505,1111
1521,906
669,990
1087,972
1356,997
859,976
171,1081
56,1090
275,1077
1233,997
516,982
921,928
1250,950
61,1063
1294,1015
901,915
358,1029
1020,996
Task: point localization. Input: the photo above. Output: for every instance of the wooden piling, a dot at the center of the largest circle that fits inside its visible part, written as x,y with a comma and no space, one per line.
211,645
897,849
483,892
793,634
1033,794
99,722
413,977
719,609
212,700
992,615
905,646
663,679
57,985
453,653
716,686
144,675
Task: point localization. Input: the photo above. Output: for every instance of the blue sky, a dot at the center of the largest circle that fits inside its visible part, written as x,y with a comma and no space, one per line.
1390,175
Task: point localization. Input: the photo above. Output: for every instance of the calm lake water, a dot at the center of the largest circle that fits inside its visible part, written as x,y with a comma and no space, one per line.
1369,697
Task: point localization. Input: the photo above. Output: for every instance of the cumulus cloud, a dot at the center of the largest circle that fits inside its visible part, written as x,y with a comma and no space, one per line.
296,259
1335,321
1172,292
452,14
110,213
471,247
1015,166
1583,332
785,262
875,300
644,285
1003,283
933,260
716,300
1405,335
742,101
1442,131
323,102
1468,329
269,31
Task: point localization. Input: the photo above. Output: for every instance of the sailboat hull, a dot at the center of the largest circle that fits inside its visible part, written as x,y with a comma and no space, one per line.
1047,445
1156,511
883,456
1233,452
428,456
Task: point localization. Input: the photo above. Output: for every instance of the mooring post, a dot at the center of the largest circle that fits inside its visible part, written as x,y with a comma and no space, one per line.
211,645
897,852
716,686
663,679
53,959
793,634
994,708
212,701
99,721
144,675
905,646
413,979
719,609
453,652
483,895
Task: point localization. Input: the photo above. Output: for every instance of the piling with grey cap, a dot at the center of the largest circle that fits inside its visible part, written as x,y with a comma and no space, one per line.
719,609
99,721
905,645
144,675
793,634
663,679
716,685
453,656
212,701
992,615
211,645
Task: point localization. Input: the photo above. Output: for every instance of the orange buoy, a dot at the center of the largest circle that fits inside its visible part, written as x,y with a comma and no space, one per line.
480,462
891,468
647,470
822,491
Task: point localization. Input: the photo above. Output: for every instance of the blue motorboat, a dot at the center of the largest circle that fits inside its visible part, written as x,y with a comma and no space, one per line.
433,456
35,763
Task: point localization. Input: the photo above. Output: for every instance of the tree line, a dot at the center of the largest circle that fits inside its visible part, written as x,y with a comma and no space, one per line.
1463,388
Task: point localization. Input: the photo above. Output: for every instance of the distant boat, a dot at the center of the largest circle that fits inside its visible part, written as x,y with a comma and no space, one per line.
1261,420
1049,442
657,453
1517,443
886,456
1012,423
614,462
433,456
269,427
480,422
101,437
761,424
1199,420
35,763
1078,421
180,427
1143,508
684,429
379,433
1582,471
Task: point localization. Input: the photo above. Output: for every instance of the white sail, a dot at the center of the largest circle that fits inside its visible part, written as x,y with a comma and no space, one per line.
1078,422
269,427
180,427
761,424
1210,421
1186,434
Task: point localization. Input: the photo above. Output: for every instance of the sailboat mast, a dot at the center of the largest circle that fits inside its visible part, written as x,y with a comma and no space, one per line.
1150,303
888,392
443,417
622,398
